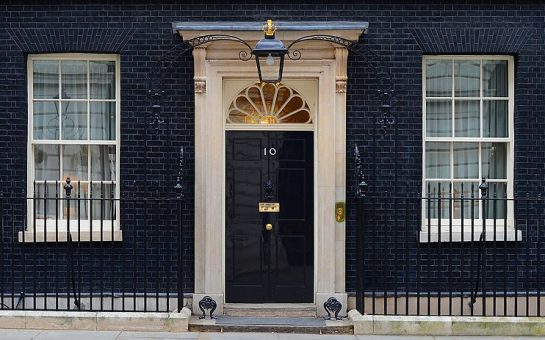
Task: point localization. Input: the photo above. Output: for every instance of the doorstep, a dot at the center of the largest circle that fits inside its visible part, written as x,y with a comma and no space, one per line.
311,325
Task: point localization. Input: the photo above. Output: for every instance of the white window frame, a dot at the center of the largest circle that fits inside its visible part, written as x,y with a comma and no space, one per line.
452,230
49,230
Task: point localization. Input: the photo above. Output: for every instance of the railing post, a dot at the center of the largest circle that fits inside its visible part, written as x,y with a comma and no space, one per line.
360,191
179,231
68,193
483,187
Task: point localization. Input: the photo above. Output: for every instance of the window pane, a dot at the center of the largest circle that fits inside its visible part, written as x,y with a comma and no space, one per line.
495,78
467,118
494,158
439,78
102,78
103,120
74,120
439,118
75,162
46,162
79,203
45,120
45,76
495,118
74,79
437,202
437,160
45,202
466,78
463,206
466,160
103,205
496,202
102,162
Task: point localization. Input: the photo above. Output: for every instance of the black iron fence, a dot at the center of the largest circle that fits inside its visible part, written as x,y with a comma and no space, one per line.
456,250
82,246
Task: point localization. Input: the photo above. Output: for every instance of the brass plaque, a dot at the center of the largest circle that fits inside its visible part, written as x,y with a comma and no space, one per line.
269,207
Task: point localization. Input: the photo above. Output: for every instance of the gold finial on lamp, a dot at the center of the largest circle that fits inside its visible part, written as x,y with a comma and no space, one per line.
269,28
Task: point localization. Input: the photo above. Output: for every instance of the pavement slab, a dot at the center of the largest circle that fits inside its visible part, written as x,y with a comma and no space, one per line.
18,334
77,335
156,336
394,337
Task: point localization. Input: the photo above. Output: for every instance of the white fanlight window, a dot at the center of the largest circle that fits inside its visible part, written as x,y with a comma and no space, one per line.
266,103
468,135
73,133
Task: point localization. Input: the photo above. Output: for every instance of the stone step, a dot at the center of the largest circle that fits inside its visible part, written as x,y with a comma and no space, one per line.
310,325
270,309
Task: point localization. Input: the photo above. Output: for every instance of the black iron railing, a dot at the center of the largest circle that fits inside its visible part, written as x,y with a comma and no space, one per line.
456,250
79,246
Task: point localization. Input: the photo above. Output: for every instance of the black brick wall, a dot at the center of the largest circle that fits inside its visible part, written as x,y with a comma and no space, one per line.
140,31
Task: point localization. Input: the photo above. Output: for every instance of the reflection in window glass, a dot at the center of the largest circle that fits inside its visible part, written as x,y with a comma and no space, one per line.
467,78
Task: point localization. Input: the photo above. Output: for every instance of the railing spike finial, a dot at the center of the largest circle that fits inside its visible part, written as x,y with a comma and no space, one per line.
483,187
68,187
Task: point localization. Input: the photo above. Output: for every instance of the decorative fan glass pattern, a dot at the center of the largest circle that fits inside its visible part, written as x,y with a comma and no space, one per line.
264,103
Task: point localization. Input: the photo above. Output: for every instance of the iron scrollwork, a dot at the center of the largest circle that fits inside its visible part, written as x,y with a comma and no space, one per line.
207,303
179,187
375,63
333,307
361,185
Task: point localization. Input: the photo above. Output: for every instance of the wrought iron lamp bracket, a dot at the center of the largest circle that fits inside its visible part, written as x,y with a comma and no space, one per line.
373,60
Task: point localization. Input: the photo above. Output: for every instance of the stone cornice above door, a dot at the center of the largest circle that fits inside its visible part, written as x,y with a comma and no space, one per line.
251,32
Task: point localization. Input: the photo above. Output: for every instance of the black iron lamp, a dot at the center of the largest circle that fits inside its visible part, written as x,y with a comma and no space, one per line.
269,55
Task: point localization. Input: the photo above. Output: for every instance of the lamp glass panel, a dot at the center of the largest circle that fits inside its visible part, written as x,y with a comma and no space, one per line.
270,68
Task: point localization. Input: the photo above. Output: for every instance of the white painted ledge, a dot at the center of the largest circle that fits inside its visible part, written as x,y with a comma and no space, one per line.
445,236
126,321
446,325
62,236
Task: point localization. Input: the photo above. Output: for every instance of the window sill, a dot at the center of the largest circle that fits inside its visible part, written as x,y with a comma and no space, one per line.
433,236
31,236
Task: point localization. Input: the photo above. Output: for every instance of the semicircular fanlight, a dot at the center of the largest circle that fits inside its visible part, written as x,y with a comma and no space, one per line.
265,103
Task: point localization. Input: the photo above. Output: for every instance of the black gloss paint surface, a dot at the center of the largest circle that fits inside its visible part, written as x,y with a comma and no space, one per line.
275,265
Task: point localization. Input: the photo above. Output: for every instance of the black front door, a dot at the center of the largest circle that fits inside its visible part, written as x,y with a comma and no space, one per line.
271,263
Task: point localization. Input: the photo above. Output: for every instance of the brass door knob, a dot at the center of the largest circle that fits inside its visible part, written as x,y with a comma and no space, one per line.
268,226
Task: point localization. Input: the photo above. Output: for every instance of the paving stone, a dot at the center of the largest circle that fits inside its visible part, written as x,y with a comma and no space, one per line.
156,336
12,334
393,337
79,335
239,336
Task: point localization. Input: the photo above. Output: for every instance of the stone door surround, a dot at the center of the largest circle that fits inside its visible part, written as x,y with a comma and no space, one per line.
323,63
